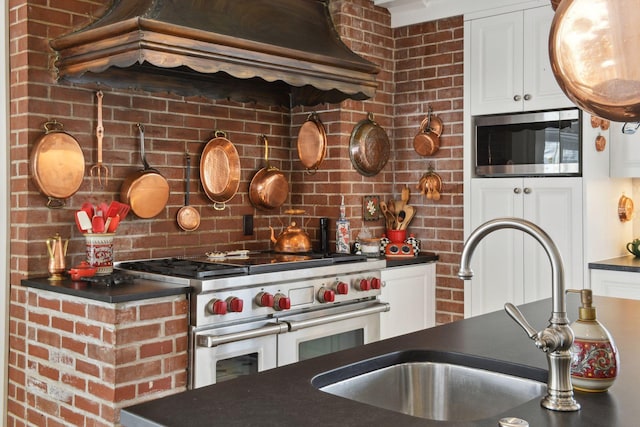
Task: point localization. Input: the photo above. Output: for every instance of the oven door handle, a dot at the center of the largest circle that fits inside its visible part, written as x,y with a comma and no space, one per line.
204,340
302,324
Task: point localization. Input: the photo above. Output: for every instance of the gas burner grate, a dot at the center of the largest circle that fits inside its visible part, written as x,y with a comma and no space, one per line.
113,279
184,267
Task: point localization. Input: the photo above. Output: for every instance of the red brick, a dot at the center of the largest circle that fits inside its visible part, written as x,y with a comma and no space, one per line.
88,368
155,311
87,405
156,349
74,308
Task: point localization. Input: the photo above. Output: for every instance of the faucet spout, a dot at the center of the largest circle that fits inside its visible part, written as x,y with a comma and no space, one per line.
557,338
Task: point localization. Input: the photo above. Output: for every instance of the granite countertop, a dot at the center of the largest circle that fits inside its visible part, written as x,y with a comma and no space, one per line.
622,263
410,260
286,397
138,289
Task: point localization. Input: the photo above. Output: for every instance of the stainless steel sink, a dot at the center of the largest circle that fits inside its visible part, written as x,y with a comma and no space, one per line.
436,385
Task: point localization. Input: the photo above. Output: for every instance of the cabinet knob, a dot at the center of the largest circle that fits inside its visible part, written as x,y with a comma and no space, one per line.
517,98
527,97
527,190
517,190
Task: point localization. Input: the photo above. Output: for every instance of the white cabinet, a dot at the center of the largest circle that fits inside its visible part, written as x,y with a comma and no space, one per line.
510,266
619,284
411,292
510,68
625,155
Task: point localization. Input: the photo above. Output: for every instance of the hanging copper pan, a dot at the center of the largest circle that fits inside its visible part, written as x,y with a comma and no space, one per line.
312,143
427,141
146,190
57,164
369,147
220,170
269,188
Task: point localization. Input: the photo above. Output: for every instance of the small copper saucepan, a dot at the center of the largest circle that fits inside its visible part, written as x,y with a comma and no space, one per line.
188,216
427,141
269,188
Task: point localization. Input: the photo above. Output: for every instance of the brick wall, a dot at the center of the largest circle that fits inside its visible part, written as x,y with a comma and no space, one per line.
77,363
429,71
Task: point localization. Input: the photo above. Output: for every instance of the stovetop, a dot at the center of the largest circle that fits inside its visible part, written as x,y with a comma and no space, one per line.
253,263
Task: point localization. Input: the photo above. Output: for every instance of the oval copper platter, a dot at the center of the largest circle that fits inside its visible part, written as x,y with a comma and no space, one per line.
220,170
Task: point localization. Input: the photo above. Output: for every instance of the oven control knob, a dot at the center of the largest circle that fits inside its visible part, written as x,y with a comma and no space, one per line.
264,299
234,305
341,288
217,306
326,295
375,283
281,302
363,285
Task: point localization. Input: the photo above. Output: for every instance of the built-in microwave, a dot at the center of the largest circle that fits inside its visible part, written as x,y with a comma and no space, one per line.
546,143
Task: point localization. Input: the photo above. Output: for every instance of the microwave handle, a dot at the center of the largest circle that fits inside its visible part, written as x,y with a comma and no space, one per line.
204,340
302,324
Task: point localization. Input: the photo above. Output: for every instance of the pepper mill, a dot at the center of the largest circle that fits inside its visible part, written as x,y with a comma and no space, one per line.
57,251
324,236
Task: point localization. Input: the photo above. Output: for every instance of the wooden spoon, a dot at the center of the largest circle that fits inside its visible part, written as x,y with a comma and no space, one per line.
409,212
389,218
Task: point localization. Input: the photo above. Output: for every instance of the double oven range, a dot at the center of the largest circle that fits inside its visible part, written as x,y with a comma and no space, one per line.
257,311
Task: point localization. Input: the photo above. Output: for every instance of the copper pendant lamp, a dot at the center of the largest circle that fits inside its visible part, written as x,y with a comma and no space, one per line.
592,48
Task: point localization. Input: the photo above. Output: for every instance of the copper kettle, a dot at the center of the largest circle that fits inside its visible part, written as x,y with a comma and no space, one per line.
57,249
293,239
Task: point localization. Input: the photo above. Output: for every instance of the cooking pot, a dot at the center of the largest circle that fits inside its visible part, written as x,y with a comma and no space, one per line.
292,239
220,170
146,190
369,147
427,141
57,164
269,188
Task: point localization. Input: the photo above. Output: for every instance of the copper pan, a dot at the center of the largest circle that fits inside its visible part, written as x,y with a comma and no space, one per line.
220,170
312,143
369,147
146,190
269,188
427,141
57,164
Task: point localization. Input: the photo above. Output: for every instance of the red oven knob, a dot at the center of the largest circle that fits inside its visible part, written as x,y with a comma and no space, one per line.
234,305
217,306
375,283
342,288
281,302
363,285
326,295
264,299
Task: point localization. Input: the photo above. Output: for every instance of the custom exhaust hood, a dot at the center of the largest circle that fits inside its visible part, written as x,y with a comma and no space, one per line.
280,52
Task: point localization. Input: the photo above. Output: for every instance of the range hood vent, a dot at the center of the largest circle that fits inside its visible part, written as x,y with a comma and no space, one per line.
283,52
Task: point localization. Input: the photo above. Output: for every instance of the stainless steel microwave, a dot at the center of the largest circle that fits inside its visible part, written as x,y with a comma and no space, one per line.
544,143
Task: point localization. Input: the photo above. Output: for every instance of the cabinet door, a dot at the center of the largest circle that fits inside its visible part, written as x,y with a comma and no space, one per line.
410,291
497,261
619,284
555,205
541,90
496,63
625,155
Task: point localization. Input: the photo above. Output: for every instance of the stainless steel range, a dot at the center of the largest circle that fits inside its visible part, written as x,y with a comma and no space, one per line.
250,312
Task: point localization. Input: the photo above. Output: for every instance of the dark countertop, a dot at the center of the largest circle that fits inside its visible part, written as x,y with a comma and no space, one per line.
623,263
139,289
285,396
410,260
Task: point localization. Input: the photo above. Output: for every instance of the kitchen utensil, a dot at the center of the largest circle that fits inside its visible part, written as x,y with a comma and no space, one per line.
427,141
83,222
268,188
312,143
405,194
57,249
369,147
389,217
293,239
409,213
100,170
625,208
88,208
400,220
57,164
188,216
601,143
97,223
113,223
146,191
220,170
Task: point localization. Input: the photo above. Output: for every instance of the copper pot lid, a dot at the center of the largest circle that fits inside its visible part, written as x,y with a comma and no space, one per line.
312,143
591,48
220,169
369,147
57,164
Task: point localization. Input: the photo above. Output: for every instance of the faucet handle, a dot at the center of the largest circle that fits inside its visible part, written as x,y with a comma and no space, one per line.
517,315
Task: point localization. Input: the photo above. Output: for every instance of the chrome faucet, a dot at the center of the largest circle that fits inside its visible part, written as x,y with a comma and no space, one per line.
557,338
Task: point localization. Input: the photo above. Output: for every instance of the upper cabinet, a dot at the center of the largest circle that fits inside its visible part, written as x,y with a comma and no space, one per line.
510,69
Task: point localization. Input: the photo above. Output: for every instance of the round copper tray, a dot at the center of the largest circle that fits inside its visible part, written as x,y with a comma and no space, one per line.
312,143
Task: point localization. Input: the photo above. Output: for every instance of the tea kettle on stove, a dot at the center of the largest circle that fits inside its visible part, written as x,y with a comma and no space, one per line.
293,239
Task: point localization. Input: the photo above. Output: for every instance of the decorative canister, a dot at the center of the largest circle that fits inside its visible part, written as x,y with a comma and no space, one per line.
413,241
384,241
99,249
